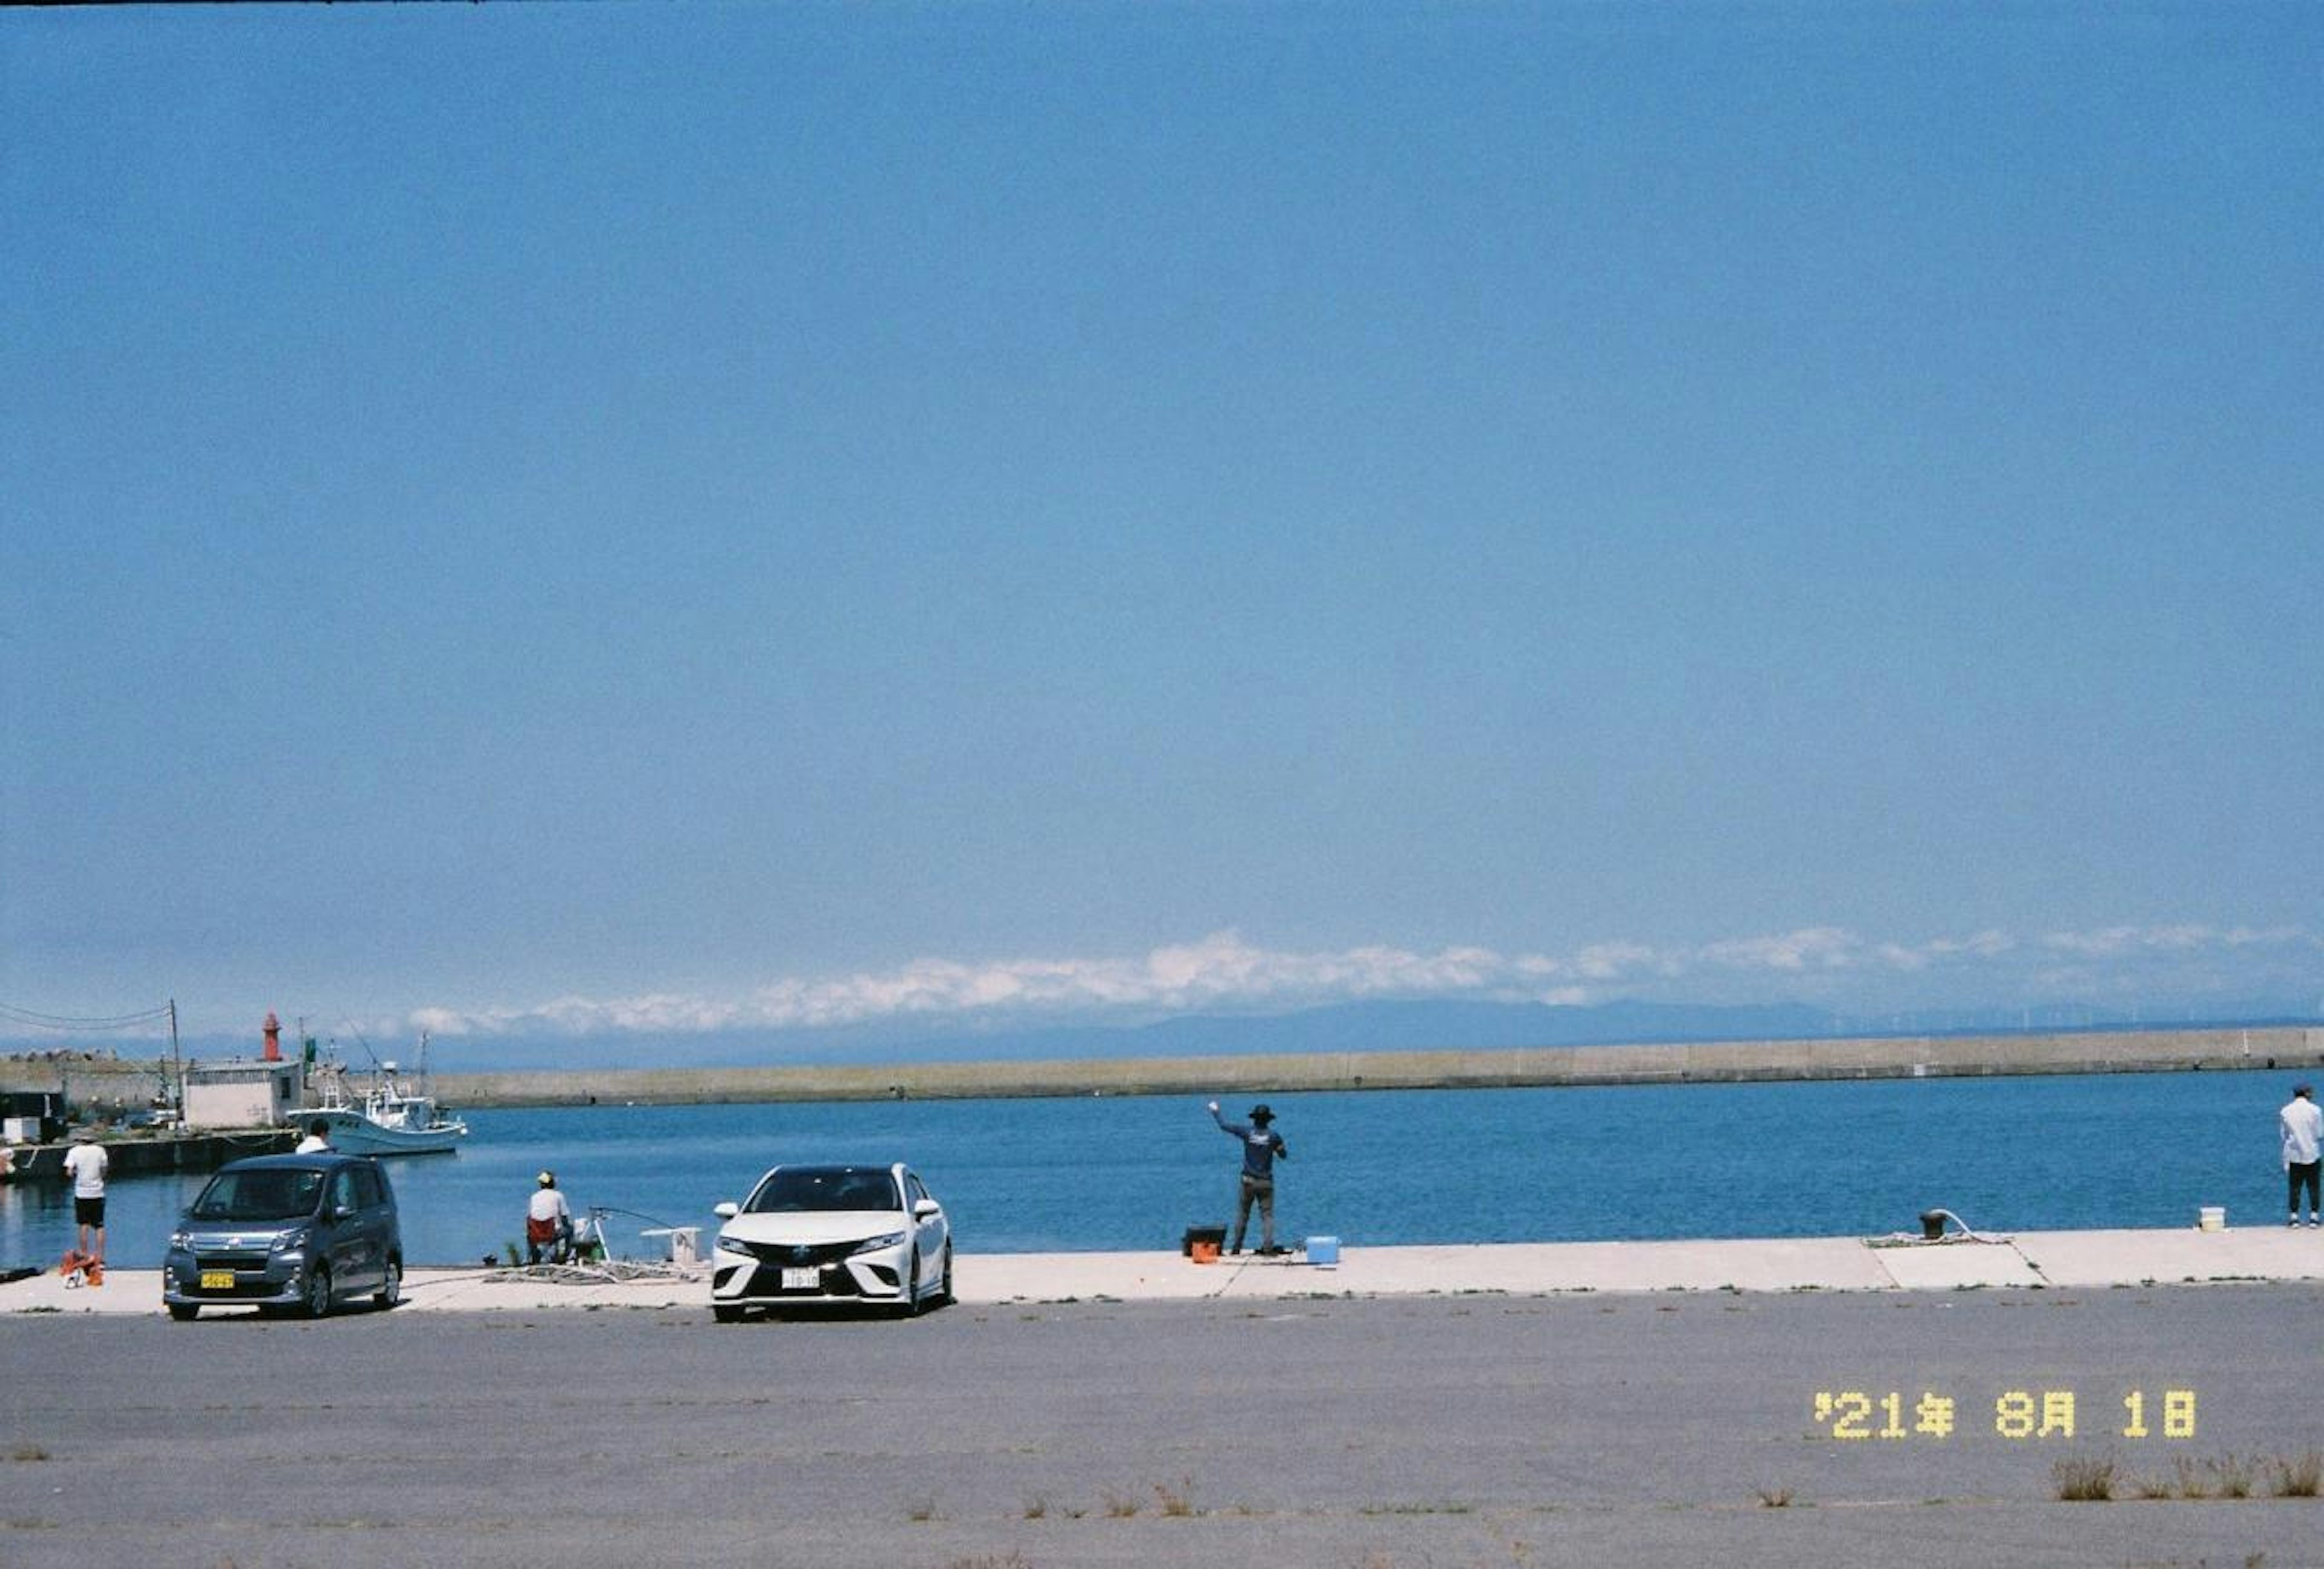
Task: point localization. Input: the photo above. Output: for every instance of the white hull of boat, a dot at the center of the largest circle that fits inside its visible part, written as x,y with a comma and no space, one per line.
353,1133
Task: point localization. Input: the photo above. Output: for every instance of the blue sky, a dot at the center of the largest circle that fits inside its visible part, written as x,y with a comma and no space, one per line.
645,521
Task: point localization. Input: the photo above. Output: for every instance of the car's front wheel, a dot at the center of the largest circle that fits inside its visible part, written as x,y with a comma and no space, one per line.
726,1312
911,1303
317,1302
390,1288
183,1312
944,1287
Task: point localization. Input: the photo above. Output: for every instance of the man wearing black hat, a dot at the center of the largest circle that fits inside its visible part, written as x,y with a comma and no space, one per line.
2303,1125
1262,1147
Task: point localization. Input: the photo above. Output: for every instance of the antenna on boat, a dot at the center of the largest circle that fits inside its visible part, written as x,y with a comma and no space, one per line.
349,1026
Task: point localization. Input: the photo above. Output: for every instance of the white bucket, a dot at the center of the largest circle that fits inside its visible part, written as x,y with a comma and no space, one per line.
2212,1217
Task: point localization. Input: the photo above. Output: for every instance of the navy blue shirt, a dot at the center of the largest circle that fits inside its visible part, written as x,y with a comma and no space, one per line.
1260,1146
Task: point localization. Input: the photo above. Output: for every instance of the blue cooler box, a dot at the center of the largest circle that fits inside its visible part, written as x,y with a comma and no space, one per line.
1324,1250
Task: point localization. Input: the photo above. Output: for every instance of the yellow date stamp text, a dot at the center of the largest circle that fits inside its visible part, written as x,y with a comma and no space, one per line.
2016,1414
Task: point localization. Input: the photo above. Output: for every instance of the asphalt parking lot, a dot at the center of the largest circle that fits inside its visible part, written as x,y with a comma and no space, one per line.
1377,1434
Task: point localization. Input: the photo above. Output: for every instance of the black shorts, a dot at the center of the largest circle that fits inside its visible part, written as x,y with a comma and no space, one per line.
88,1212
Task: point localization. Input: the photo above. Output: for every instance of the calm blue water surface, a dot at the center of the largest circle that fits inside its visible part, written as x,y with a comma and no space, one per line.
1372,1168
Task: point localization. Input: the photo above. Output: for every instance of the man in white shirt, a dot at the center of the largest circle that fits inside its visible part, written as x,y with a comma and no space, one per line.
548,1222
85,1163
2302,1122
317,1140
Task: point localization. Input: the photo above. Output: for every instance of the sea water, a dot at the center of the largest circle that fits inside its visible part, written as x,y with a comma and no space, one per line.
1858,1158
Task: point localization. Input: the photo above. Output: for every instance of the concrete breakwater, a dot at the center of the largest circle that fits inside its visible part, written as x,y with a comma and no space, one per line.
147,1155
2293,1047
1722,1062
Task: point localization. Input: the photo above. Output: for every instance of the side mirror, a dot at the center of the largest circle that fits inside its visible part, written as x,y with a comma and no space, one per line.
727,1211
924,1208
341,1211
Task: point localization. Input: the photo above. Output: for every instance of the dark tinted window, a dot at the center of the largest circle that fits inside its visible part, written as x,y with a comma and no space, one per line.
259,1195
796,1189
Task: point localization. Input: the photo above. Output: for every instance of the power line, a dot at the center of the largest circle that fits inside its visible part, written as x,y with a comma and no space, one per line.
60,1021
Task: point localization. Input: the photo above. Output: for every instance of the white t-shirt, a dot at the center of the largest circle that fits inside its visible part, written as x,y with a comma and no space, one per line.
549,1204
311,1145
85,1163
2303,1126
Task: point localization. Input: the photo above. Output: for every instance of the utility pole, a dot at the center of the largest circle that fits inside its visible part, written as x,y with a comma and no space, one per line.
177,1058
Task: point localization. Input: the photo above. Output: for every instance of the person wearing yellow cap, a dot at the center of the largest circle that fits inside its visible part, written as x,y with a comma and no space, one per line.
548,1222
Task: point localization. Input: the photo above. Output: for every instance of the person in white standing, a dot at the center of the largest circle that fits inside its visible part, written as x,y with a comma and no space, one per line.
317,1140
86,1163
2302,1122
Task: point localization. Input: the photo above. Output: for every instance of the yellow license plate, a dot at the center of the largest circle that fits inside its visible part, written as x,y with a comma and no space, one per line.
217,1279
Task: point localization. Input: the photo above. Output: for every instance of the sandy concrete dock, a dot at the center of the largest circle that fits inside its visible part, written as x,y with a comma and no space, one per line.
2031,1259
1515,1409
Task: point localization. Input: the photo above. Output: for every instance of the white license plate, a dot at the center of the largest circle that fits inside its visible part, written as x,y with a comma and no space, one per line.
805,1280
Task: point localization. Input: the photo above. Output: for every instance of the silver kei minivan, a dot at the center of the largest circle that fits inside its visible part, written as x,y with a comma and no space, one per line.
287,1232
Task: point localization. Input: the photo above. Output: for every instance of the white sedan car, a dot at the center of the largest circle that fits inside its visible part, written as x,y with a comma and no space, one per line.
832,1235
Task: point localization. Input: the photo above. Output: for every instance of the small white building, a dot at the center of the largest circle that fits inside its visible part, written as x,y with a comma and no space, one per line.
241,1092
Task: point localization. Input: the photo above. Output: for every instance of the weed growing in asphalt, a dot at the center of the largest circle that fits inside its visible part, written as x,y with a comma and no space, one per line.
920,1510
28,1453
1011,1559
1178,1502
2084,1481
2302,1477
2236,1476
1036,1508
1121,1506
2192,1482
2232,1476
1775,1497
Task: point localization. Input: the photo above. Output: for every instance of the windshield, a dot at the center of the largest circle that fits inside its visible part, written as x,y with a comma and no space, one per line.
259,1195
795,1189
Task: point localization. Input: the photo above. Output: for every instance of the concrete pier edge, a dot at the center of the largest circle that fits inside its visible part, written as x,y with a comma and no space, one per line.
2031,1261
2283,1047
2288,1047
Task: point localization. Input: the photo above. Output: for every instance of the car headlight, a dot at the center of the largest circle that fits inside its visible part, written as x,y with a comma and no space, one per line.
180,1242
288,1242
886,1239
730,1245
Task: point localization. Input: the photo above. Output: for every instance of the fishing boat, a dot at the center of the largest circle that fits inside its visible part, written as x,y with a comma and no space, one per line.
380,1117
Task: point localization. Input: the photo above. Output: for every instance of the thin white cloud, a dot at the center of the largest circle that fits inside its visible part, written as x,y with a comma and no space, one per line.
1813,949
1224,972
